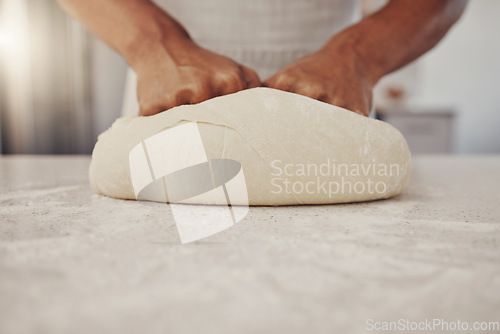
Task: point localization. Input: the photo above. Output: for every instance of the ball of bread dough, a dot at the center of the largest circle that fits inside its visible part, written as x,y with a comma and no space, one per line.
291,150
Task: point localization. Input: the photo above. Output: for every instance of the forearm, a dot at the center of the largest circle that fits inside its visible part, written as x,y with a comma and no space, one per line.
130,27
398,33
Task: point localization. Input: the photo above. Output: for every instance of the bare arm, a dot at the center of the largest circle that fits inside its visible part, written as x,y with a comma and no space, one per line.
346,69
128,26
400,32
171,68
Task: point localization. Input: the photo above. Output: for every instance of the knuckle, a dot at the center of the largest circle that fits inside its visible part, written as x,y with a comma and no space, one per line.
312,89
147,108
284,80
183,93
230,80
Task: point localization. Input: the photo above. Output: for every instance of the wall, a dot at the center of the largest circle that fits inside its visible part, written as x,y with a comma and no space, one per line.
108,82
463,71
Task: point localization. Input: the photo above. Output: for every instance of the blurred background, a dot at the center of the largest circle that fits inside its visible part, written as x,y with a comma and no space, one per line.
60,87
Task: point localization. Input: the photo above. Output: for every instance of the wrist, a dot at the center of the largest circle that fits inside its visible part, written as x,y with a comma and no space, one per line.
355,50
160,35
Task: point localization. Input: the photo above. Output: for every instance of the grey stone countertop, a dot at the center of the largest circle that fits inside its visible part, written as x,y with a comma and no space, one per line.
75,262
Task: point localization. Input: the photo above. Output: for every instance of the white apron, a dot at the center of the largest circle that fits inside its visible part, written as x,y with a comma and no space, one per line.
265,35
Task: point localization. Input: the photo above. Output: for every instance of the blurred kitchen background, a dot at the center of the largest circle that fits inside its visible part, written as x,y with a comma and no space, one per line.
60,87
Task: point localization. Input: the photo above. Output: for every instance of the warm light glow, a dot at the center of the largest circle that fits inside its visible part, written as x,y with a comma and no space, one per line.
5,39
14,33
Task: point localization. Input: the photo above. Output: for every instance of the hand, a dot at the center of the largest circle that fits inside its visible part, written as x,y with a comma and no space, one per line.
333,75
180,73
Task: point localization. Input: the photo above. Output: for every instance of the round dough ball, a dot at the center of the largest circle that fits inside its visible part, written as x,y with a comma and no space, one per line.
292,150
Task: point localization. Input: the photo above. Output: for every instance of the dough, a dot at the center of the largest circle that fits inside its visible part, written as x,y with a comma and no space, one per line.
291,150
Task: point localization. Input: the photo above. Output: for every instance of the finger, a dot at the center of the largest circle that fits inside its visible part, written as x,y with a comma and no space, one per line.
183,96
229,82
150,111
251,77
173,99
270,82
359,105
153,108
343,104
202,94
307,89
279,81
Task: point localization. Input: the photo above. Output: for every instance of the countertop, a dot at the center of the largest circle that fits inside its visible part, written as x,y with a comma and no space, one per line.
75,262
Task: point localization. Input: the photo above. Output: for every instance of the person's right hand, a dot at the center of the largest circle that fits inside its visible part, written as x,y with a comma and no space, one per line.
173,74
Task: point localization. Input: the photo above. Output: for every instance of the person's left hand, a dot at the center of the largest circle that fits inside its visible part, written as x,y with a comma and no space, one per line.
334,76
